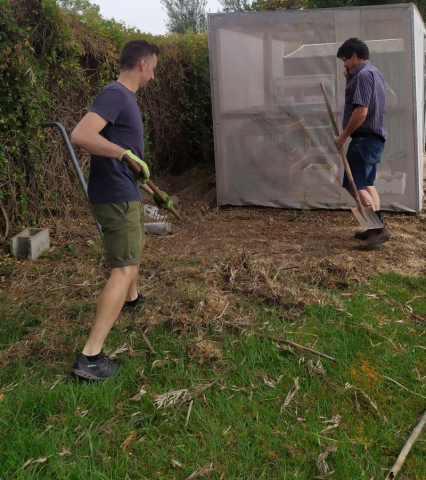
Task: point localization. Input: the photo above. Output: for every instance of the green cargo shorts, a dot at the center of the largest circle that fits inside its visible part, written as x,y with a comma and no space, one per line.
123,231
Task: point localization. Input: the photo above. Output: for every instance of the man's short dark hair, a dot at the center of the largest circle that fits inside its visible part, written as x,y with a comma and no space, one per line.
134,51
351,46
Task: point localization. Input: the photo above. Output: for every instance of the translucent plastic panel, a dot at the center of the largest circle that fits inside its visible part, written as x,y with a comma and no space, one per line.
274,143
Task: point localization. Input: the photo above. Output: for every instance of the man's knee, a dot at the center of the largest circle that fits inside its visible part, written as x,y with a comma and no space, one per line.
129,272
365,197
371,189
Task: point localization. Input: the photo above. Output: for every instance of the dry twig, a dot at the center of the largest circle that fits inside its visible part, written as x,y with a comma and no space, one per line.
287,342
189,412
402,386
201,472
148,343
296,345
291,395
406,449
322,464
334,422
175,398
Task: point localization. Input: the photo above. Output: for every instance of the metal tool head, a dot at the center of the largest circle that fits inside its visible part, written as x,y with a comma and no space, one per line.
367,217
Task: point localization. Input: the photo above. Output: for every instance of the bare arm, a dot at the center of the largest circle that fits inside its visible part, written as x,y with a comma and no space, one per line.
356,120
86,135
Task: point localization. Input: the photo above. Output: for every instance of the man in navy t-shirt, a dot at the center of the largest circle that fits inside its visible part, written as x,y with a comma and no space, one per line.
112,132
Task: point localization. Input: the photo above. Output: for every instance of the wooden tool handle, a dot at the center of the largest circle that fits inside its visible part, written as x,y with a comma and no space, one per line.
330,112
134,167
342,153
157,192
137,169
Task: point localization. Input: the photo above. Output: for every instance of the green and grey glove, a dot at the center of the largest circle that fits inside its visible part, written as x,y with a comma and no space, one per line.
160,204
130,158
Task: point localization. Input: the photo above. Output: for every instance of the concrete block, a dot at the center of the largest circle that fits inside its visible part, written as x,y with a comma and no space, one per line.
157,228
30,243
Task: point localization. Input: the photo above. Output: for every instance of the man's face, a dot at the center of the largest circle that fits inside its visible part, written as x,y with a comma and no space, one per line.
351,63
147,68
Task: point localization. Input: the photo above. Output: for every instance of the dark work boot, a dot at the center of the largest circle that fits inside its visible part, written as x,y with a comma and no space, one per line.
361,235
377,236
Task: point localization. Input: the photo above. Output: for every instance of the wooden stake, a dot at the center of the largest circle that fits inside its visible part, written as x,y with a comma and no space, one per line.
407,447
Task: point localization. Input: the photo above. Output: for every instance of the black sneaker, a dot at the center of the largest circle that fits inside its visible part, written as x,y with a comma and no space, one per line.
100,369
129,306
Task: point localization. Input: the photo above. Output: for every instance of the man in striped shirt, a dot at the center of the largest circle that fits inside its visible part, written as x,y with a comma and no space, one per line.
363,121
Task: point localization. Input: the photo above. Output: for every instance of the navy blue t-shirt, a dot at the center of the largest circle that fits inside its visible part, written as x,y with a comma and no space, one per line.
111,181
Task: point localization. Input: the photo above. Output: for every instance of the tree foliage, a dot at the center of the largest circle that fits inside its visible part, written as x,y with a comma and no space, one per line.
421,4
261,5
236,5
271,5
186,14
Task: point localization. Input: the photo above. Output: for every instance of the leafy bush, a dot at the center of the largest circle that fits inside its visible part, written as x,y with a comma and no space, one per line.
54,59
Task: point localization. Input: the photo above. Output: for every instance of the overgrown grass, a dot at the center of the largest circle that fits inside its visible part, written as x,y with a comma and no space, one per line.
238,427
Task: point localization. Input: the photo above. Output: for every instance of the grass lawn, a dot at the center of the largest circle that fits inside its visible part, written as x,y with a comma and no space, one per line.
242,407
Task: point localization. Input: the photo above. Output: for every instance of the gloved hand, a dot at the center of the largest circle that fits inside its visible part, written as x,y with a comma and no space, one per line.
144,173
160,204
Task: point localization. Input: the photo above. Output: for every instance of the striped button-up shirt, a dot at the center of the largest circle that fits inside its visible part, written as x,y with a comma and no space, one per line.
366,88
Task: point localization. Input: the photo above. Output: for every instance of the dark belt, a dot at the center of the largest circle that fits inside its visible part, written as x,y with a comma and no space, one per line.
368,135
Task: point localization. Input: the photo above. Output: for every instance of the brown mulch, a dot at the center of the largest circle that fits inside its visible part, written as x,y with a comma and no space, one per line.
292,238
217,264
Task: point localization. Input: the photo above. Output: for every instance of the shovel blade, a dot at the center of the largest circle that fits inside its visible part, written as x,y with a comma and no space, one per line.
367,217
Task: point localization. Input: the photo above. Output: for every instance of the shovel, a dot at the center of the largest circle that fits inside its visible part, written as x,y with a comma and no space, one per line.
365,216
137,169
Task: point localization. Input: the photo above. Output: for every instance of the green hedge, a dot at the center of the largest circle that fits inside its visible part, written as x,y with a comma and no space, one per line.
53,61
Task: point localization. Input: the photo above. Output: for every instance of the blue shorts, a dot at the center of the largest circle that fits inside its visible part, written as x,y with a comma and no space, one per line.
363,156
